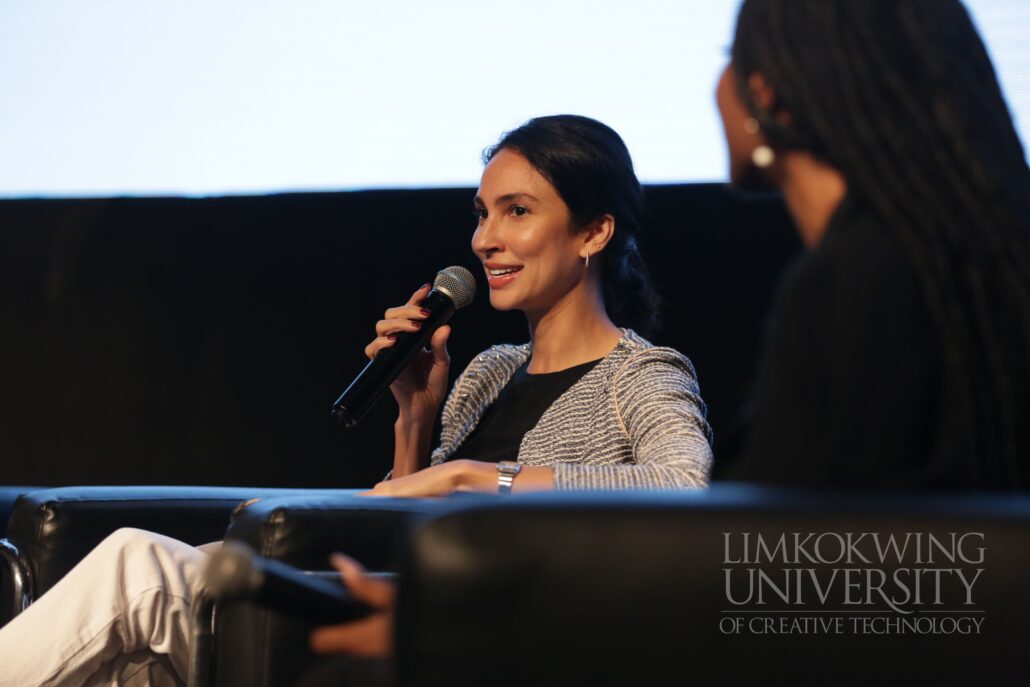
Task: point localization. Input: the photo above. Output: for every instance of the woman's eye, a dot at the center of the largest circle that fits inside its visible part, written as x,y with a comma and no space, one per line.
519,211
479,213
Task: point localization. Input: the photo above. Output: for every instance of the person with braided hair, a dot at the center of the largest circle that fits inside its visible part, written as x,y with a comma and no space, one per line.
899,352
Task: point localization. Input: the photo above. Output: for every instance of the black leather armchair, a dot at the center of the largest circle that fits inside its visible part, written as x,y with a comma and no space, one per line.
631,589
600,588
8,495
49,531
10,570
255,647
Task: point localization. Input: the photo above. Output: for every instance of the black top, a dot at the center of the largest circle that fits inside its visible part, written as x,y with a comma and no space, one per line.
849,390
517,409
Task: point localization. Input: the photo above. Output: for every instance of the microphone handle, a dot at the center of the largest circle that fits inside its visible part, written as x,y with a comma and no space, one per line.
380,372
284,588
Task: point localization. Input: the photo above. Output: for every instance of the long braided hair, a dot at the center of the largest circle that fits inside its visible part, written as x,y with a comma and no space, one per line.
901,97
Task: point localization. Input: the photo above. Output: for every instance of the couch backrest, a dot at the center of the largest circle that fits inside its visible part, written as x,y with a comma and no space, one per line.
721,586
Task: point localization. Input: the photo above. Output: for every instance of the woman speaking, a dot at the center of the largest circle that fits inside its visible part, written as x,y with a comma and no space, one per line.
584,404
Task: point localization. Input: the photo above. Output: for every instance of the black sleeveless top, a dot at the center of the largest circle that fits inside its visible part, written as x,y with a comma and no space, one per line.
517,409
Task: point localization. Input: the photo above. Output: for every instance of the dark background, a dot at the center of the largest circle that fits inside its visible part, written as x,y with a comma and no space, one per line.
202,341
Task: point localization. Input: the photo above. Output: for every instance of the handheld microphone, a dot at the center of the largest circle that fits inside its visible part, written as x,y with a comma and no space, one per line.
235,572
453,288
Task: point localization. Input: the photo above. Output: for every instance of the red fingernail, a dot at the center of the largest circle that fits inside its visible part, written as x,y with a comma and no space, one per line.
391,337
416,325
425,312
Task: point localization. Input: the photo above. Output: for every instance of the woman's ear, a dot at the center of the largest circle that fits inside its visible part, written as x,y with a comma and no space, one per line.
764,97
597,235
762,94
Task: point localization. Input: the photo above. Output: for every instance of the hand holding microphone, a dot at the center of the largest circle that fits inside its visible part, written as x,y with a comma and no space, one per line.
362,609
420,386
235,572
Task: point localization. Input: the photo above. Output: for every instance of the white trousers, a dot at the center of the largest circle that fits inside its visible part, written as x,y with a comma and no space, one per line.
119,617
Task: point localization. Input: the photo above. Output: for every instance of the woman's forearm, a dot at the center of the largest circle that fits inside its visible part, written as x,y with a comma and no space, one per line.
535,478
411,445
474,475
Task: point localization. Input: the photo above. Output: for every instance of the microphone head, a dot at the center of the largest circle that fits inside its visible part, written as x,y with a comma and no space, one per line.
458,283
231,572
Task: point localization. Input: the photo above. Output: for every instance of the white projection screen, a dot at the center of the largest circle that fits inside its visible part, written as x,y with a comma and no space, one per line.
210,97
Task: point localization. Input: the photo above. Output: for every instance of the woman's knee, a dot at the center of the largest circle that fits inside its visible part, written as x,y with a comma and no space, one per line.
128,538
136,547
139,559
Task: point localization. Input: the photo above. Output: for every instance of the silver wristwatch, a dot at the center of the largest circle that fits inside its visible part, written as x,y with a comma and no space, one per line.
506,471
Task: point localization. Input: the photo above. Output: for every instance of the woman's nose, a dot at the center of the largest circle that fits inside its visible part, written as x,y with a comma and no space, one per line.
485,239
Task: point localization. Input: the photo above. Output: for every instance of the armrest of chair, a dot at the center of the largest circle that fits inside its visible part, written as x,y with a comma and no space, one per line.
13,591
631,589
54,529
302,530
256,647
8,495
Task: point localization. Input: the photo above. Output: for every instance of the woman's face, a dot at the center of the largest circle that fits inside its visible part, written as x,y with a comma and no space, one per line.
532,258
740,142
734,114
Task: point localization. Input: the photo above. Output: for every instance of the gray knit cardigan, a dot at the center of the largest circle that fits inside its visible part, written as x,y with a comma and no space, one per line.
634,421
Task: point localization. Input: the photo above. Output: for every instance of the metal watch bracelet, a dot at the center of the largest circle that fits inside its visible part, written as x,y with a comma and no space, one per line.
506,472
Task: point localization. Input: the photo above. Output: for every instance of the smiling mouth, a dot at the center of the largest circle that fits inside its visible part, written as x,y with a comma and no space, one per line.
497,277
503,272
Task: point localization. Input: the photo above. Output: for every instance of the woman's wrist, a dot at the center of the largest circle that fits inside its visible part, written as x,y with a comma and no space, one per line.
411,445
417,416
475,475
